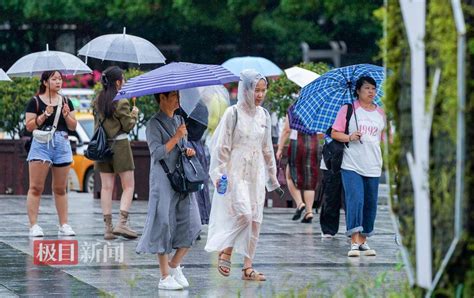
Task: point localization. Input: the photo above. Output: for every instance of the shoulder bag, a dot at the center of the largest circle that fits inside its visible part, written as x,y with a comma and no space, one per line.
188,176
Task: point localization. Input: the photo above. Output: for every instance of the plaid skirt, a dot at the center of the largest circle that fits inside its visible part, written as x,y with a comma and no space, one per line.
303,161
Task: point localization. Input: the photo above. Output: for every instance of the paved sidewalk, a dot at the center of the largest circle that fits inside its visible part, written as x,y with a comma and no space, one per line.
292,255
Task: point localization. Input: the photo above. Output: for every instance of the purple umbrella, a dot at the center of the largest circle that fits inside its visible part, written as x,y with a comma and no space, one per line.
176,76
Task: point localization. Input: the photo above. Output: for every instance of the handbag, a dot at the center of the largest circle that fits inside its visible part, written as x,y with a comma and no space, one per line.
188,175
98,148
333,151
281,177
46,134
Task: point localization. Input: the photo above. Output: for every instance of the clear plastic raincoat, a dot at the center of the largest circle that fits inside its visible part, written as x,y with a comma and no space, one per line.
242,149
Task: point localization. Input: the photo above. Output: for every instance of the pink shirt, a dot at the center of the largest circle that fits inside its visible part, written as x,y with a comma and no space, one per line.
366,158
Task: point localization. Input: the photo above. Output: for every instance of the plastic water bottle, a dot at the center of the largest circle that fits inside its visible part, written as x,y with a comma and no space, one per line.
222,186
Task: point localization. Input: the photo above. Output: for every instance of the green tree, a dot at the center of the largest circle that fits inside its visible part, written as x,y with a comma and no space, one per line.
14,98
282,92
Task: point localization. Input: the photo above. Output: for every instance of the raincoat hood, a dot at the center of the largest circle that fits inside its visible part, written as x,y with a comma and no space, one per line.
246,92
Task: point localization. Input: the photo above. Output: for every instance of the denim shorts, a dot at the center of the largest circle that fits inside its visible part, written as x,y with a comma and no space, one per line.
57,151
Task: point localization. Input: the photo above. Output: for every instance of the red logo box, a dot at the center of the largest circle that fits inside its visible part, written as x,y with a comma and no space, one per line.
55,252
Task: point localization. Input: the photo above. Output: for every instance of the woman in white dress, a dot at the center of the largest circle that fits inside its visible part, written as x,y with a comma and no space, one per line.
242,150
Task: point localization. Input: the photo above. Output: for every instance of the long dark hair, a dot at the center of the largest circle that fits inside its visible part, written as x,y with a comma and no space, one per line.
45,76
105,104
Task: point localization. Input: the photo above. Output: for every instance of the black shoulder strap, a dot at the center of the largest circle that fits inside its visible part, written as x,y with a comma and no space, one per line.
162,162
348,116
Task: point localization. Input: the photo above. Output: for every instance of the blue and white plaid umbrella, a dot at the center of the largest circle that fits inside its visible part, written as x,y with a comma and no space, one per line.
318,103
176,76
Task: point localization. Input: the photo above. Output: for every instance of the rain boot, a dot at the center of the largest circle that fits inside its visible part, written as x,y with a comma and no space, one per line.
108,234
122,229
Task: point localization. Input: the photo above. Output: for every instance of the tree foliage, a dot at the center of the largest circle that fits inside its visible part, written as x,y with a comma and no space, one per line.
15,96
269,28
282,92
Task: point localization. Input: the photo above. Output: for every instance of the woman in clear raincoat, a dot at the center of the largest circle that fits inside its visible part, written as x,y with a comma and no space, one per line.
242,150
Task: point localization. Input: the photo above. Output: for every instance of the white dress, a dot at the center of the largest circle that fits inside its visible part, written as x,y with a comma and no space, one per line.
243,151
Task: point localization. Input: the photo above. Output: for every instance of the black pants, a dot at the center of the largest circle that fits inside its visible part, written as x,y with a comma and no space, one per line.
332,199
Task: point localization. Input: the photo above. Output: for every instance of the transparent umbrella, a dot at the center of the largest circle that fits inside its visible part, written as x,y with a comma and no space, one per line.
124,48
36,63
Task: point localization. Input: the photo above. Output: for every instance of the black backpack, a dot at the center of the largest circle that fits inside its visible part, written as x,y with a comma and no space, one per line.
333,152
98,148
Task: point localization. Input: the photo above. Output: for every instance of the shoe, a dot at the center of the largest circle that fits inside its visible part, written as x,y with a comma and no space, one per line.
328,236
108,232
364,247
308,219
354,252
298,212
122,229
169,283
177,274
36,231
66,230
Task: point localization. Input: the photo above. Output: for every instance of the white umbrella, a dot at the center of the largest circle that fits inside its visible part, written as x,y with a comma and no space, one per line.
36,63
300,76
123,48
3,76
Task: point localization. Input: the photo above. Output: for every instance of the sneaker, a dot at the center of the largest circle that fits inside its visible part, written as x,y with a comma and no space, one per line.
66,230
328,236
177,274
169,283
36,231
354,252
367,250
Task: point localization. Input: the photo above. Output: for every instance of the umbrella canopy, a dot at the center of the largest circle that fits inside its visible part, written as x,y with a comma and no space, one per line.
3,76
176,76
188,100
217,100
36,63
318,103
262,65
122,47
300,76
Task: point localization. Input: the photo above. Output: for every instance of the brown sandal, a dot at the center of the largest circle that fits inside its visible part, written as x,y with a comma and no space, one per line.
223,263
253,275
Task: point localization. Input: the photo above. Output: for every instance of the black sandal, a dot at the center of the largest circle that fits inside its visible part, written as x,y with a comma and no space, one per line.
307,219
299,211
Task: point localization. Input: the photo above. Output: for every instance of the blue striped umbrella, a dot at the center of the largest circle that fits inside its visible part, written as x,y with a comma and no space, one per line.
318,103
176,76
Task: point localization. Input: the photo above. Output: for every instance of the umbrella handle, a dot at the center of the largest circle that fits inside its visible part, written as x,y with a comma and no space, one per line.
134,101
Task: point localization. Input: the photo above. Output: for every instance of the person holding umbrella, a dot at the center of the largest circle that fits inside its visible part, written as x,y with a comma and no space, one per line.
242,150
118,121
49,111
172,220
361,164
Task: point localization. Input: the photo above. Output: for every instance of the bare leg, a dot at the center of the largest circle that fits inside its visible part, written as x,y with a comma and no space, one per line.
128,186
164,267
295,192
107,181
309,200
177,259
60,175
38,172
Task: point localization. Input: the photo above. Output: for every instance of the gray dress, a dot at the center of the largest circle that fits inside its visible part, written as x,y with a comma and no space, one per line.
173,219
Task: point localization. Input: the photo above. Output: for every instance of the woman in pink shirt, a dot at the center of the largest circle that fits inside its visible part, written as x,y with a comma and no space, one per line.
362,163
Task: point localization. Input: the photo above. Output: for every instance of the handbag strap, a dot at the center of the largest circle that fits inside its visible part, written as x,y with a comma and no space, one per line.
56,116
162,162
169,134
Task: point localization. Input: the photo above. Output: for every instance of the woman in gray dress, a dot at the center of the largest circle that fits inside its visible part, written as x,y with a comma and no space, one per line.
173,220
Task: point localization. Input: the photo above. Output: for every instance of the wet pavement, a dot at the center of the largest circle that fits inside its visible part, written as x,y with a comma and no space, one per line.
293,256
